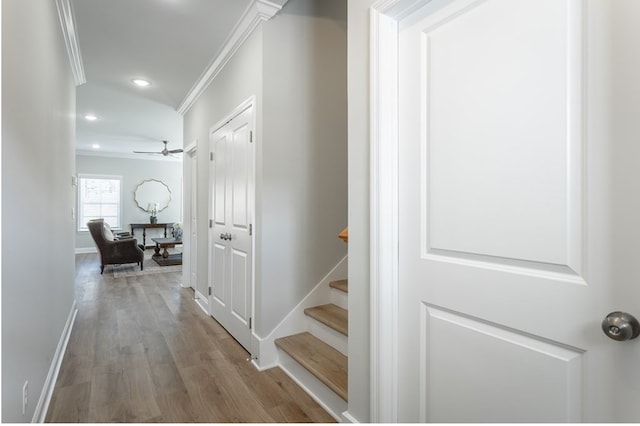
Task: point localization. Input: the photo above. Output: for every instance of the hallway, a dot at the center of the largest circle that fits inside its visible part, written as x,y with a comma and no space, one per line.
142,351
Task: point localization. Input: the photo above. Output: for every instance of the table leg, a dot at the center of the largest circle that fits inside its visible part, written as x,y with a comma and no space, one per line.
157,250
144,237
165,253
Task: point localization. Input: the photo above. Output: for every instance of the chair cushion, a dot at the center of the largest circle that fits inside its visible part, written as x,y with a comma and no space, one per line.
108,233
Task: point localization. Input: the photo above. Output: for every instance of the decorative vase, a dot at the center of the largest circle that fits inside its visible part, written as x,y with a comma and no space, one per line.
153,219
177,233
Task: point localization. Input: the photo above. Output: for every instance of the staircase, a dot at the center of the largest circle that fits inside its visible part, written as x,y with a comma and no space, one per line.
317,358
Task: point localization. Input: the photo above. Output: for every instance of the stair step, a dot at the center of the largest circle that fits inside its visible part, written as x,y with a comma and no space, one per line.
324,362
342,285
332,316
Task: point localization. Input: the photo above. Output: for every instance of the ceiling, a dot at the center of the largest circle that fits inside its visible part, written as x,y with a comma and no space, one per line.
167,42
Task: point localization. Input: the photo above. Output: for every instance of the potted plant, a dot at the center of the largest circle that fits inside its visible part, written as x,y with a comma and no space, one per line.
152,209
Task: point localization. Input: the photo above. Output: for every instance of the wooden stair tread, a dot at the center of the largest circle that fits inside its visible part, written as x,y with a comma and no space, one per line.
342,285
344,235
332,316
320,359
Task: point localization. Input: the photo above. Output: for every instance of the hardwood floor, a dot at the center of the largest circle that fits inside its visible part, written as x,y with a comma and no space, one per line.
141,350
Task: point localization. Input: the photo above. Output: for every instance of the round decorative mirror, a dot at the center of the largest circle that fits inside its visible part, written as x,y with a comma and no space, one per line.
152,192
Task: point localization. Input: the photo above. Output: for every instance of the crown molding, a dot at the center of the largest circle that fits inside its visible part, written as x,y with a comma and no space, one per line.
68,25
128,156
257,12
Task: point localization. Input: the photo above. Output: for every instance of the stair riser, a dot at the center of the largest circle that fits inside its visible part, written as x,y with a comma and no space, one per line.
328,335
324,396
340,298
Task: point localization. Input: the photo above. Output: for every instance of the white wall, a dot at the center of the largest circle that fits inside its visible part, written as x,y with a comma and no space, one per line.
38,132
133,172
304,156
359,297
240,79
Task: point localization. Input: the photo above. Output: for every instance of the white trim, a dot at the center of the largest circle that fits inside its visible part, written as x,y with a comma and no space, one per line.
69,32
191,148
50,382
86,250
130,156
257,12
348,418
385,15
202,301
251,102
189,195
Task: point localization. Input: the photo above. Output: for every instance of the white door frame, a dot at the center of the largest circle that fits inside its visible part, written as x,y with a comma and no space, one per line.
191,151
384,222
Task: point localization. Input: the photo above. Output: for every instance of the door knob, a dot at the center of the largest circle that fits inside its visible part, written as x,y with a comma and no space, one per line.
226,236
621,326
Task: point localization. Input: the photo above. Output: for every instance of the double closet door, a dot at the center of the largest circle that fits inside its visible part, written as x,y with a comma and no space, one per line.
230,233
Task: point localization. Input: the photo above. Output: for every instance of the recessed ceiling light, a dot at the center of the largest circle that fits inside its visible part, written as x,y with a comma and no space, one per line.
140,82
95,146
90,117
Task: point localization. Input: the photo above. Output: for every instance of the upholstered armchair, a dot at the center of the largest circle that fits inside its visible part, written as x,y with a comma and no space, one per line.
113,251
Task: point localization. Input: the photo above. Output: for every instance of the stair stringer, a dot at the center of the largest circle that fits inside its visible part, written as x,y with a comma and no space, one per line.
295,322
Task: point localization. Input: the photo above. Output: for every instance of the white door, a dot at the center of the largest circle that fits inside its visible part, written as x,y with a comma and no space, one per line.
193,224
519,181
230,236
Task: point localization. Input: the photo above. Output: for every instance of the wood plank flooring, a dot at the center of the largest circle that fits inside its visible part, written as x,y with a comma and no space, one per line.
142,351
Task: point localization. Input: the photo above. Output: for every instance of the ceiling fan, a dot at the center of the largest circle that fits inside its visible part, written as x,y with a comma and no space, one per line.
164,152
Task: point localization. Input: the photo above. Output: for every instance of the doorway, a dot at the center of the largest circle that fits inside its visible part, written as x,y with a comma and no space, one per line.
231,190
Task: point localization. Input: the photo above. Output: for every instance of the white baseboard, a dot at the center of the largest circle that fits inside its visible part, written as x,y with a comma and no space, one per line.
84,250
202,301
295,322
50,382
348,418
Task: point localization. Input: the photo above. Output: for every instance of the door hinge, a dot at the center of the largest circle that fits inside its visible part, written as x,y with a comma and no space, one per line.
250,323
250,229
209,291
210,223
251,136
211,156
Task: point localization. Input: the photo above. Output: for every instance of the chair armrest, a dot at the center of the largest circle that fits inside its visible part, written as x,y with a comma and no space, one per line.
124,249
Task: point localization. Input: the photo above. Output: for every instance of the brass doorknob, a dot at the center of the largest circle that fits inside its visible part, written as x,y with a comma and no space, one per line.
621,326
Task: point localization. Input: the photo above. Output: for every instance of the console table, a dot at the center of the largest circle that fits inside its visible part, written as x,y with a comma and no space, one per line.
146,226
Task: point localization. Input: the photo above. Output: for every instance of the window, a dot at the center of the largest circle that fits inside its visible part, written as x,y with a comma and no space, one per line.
99,196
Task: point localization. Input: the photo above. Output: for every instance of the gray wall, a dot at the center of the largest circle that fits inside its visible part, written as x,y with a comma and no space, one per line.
133,172
295,66
359,345
304,153
38,131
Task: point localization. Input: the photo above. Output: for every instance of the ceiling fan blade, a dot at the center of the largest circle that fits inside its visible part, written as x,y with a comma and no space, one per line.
175,151
146,152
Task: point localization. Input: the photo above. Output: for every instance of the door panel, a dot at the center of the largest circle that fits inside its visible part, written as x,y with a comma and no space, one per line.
219,274
506,151
241,286
241,176
465,357
220,180
231,266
